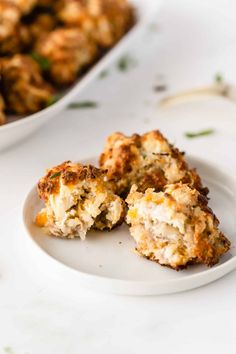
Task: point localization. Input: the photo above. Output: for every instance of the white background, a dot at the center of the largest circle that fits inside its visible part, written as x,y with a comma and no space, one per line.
192,42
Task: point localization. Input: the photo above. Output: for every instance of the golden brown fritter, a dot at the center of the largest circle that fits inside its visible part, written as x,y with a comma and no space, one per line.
25,6
71,12
77,199
147,160
68,51
18,41
47,3
24,89
9,19
105,21
175,227
2,108
41,25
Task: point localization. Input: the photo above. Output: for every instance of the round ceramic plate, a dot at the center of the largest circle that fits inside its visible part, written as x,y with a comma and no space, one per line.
106,261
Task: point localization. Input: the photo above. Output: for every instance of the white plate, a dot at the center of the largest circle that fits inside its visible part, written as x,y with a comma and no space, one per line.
12,133
105,261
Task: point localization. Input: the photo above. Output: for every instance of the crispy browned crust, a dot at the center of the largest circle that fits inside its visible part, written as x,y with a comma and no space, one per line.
69,51
153,259
206,242
8,23
104,21
90,181
19,41
208,253
69,173
122,157
205,254
22,77
40,26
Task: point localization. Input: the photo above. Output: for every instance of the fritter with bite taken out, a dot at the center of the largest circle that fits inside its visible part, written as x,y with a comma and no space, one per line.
77,199
148,160
175,227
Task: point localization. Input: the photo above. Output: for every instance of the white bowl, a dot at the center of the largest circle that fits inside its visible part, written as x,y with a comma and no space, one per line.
12,133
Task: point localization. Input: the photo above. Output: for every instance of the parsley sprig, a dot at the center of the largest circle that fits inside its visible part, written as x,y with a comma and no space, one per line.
191,135
56,174
84,104
44,63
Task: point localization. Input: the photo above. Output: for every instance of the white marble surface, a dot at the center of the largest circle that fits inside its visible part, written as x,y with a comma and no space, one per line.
193,41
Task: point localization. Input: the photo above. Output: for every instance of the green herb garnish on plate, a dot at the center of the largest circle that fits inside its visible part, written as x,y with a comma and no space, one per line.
218,78
44,63
103,74
84,104
125,63
206,132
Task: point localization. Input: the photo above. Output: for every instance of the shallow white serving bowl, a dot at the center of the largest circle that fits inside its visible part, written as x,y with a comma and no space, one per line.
12,133
105,261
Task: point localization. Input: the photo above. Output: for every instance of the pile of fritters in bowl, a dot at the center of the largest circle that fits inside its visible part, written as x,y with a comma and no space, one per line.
45,45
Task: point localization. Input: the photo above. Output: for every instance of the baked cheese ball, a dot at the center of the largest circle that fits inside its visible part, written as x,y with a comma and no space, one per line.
18,41
9,19
23,87
147,160
106,21
68,51
25,6
41,25
175,227
76,200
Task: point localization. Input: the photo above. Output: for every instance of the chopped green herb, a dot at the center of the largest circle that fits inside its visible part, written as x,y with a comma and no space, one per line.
198,134
56,174
53,99
219,78
125,63
103,74
44,63
84,104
